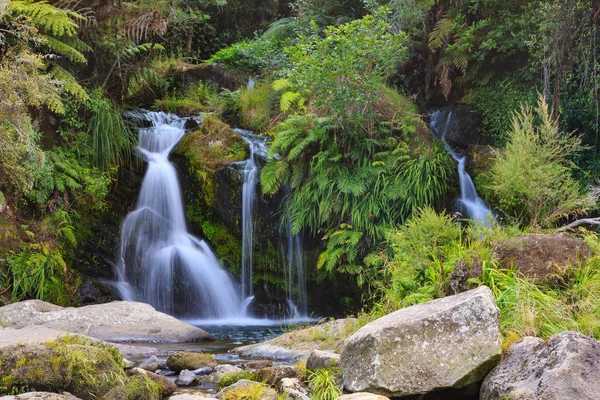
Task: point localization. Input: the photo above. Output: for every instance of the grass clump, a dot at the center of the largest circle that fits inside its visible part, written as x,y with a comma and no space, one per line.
255,106
325,384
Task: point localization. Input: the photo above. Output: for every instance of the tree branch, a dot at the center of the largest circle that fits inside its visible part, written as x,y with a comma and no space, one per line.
580,222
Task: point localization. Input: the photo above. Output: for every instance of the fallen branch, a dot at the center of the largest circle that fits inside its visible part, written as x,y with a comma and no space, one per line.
580,222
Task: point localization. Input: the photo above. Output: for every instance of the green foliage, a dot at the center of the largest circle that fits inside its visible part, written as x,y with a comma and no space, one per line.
531,180
424,251
38,272
255,110
111,138
231,378
325,384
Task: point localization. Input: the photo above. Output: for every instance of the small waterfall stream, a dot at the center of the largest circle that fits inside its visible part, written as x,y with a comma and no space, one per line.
250,175
294,275
475,207
160,263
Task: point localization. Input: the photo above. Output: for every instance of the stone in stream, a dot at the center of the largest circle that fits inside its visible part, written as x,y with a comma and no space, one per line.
319,359
119,321
150,364
298,344
41,396
190,360
567,366
203,371
243,387
138,387
168,387
362,396
222,370
445,343
259,364
186,378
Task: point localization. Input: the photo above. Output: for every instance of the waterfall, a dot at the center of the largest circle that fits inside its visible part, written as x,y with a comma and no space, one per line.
474,206
160,263
250,175
294,275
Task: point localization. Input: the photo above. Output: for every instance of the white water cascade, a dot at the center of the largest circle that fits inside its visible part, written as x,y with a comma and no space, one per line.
160,263
293,274
250,175
475,207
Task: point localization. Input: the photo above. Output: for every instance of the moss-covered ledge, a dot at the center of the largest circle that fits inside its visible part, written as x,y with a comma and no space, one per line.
212,188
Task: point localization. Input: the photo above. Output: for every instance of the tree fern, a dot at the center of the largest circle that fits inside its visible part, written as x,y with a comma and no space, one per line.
46,17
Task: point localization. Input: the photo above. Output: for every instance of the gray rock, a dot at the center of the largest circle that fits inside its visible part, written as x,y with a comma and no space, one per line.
319,359
294,389
203,371
190,396
297,345
150,364
567,366
223,369
168,387
445,343
41,396
362,396
119,321
128,364
185,378
259,364
242,387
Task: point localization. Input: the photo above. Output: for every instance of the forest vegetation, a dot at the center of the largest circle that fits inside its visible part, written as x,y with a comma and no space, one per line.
342,89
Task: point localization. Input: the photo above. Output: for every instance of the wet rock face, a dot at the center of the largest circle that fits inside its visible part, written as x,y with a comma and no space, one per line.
462,128
540,256
445,343
567,366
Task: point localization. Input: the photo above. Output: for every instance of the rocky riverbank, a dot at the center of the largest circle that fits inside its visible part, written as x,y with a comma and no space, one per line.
446,348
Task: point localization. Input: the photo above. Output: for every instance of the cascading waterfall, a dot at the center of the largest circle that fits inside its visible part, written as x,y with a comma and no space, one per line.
475,207
160,263
250,175
294,275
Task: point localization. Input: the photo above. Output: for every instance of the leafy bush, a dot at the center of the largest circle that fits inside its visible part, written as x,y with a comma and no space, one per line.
531,180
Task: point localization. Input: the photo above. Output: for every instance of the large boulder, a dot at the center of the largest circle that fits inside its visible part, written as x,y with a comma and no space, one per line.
540,256
445,343
567,366
83,367
119,321
190,360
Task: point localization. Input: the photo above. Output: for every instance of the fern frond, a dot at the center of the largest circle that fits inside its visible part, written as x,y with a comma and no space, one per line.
441,33
68,82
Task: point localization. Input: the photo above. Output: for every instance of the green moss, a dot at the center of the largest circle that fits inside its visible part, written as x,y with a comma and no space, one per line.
138,387
79,365
233,377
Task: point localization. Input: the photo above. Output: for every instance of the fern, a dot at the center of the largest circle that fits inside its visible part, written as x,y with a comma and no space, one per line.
68,82
48,18
441,32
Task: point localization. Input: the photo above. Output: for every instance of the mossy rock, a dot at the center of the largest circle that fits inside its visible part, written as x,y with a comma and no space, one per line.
248,390
81,366
138,387
190,360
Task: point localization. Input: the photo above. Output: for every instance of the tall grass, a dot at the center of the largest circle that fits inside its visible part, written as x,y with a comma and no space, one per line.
112,139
